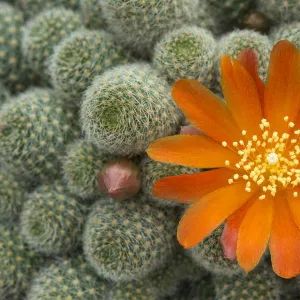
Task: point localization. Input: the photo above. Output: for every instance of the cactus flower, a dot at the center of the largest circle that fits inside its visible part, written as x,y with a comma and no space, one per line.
251,146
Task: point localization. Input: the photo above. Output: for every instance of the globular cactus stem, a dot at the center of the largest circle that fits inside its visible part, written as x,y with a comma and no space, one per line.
126,240
44,32
52,220
127,108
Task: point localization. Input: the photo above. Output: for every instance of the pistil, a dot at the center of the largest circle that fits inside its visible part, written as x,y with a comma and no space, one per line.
270,161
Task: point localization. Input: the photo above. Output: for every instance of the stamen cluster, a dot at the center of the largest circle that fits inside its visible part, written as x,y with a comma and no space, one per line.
270,160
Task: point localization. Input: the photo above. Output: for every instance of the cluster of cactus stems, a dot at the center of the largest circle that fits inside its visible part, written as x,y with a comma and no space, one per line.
85,87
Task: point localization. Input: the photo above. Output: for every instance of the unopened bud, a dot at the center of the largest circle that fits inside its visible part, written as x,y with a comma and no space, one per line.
258,21
119,179
229,242
190,130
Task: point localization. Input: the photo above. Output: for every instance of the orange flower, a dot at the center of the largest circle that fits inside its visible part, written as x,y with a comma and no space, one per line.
252,144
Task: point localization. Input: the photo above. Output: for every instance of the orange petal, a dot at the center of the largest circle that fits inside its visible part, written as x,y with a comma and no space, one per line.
205,110
241,95
285,240
249,60
254,233
282,93
188,188
208,213
294,204
229,236
191,150
297,122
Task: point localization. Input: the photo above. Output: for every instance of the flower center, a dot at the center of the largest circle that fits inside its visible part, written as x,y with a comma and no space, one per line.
269,161
272,158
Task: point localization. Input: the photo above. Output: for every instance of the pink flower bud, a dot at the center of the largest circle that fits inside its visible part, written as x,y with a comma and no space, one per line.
119,179
190,130
229,242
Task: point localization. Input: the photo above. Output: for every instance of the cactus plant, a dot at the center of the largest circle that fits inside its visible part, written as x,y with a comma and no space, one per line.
34,128
68,279
233,43
258,284
92,14
209,254
18,264
128,107
280,11
12,195
82,163
151,171
15,72
51,220
133,290
140,24
127,240
11,22
33,7
189,52
80,57
290,32
44,32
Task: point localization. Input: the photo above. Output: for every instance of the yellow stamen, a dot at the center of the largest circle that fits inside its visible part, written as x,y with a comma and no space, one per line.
270,161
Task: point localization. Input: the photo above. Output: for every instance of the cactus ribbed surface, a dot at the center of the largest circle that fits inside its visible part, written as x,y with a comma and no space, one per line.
12,195
51,220
92,14
34,128
133,290
209,254
11,22
44,32
82,163
140,24
189,52
127,240
234,42
33,7
258,284
68,279
127,108
80,58
290,32
18,264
